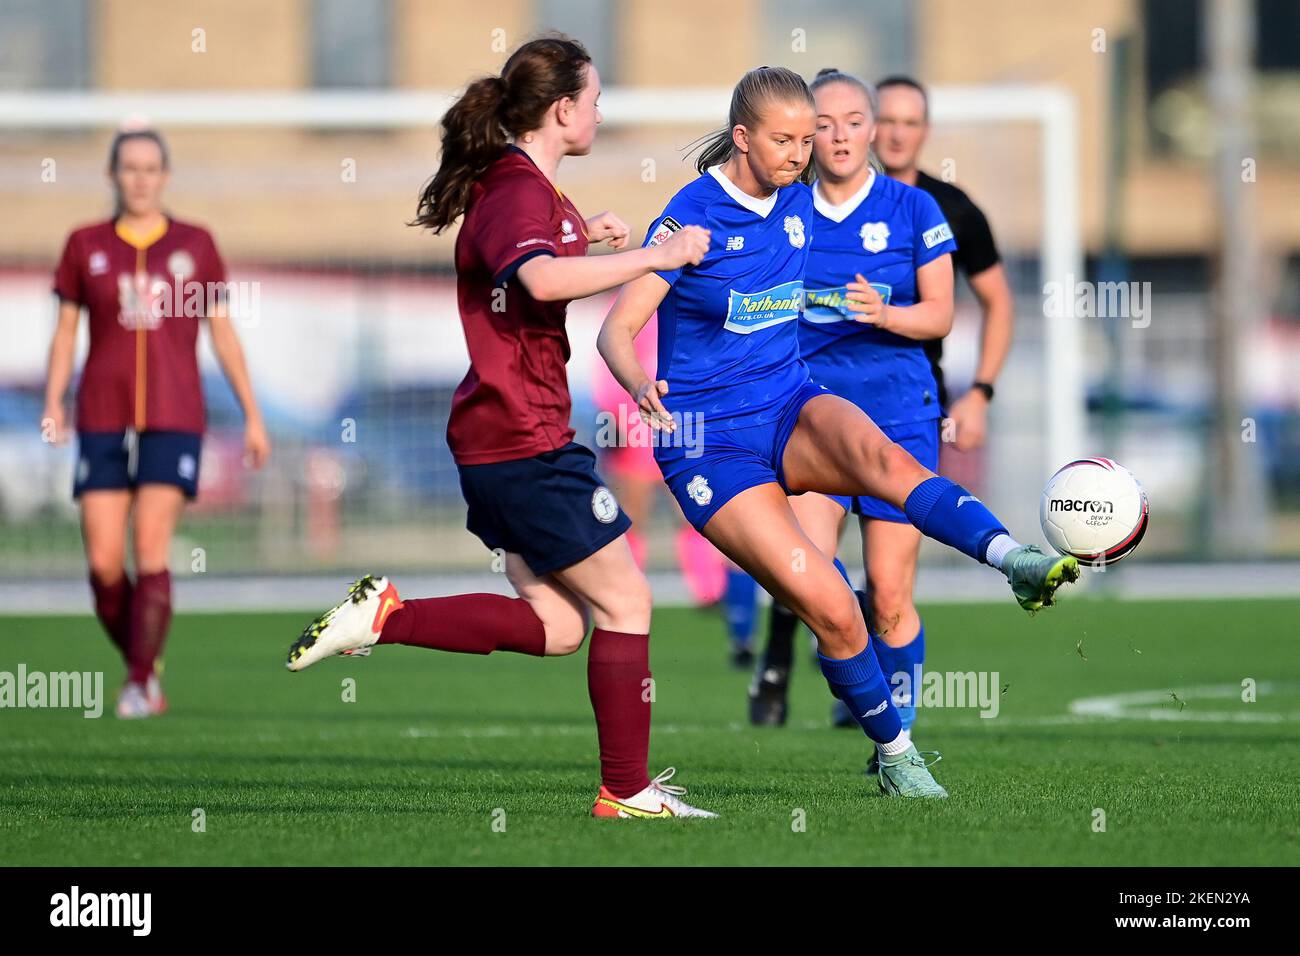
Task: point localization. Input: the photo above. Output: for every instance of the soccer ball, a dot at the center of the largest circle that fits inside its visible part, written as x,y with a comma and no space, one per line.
1094,509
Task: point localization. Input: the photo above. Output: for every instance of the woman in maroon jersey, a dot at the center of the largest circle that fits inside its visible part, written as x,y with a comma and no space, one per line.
533,493
139,414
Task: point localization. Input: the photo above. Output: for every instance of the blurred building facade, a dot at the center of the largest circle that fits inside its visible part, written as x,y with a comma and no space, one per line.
361,323
1134,66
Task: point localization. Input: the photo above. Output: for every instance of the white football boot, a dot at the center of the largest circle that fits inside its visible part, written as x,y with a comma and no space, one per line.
660,800
153,691
133,702
351,627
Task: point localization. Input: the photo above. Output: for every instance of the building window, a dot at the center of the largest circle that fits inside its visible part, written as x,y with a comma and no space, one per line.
351,43
1175,57
45,45
871,39
592,22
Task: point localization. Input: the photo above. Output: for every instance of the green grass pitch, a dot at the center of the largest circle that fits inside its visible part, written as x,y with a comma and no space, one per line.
447,759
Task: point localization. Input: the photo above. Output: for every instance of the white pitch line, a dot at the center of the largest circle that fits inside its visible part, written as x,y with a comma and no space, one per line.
1137,705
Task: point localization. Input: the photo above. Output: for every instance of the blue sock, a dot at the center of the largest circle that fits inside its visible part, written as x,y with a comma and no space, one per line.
740,603
844,572
902,669
858,682
947,512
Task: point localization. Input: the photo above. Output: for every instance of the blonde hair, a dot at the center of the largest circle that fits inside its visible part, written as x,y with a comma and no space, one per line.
756,90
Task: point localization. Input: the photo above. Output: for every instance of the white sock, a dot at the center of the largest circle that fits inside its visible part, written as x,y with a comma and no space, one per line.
998,549
896,746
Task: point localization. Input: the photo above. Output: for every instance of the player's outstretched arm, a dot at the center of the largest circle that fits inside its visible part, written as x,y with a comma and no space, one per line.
636,302
562,278
225,343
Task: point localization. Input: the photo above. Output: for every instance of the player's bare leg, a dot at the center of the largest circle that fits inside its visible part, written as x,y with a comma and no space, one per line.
889,551
612,586
835,448
157,512
563,615
821,519
105,517
757,529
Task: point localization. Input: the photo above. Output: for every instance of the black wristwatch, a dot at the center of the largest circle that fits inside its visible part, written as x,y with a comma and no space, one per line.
984,387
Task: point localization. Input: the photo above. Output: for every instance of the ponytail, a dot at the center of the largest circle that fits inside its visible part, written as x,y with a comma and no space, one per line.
472,139
478,127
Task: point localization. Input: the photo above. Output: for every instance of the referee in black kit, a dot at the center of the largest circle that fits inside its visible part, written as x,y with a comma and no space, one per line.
902,125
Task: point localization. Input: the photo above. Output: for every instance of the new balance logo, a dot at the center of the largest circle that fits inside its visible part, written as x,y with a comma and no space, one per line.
965,498
877,710
735,243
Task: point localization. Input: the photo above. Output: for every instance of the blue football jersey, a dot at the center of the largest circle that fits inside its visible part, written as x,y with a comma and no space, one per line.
728,327
886,232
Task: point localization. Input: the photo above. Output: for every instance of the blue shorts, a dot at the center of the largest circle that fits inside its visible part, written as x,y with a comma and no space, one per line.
126,459
727,462
552,509
921,439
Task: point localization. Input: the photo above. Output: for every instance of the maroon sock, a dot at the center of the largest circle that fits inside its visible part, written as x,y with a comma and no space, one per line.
151,615
618,670
467,624
113,608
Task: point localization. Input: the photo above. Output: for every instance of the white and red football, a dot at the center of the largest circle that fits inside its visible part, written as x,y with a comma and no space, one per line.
1094,509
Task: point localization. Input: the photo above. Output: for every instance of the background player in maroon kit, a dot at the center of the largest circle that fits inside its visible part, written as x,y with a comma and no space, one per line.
533,493
139,413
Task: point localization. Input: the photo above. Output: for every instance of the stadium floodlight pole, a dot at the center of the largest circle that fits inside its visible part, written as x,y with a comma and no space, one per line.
1051,108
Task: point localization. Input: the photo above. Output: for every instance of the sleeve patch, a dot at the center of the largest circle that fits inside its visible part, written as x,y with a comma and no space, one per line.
666,228
940,233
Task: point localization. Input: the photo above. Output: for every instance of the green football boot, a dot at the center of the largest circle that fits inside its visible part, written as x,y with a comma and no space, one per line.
908,775
1035,576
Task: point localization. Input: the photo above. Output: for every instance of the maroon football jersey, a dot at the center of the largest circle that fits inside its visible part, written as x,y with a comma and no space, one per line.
145,296
514,401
